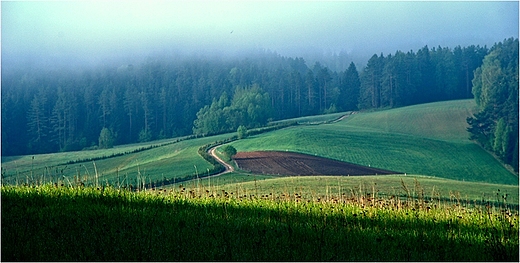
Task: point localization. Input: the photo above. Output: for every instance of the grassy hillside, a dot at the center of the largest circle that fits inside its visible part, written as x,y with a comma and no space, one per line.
24,163
444,120
394,140
171,161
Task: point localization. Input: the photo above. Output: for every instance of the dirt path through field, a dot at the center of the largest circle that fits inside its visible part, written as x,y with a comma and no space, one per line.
344,117
228,168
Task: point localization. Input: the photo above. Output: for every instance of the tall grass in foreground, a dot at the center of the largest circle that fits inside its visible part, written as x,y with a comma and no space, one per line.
54,223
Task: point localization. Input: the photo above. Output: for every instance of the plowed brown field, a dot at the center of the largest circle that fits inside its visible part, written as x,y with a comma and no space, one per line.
290,163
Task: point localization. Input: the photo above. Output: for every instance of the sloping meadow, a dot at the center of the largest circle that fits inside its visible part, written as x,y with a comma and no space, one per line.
428,139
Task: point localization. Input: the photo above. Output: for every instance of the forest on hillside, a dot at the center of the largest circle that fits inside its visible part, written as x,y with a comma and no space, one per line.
49,110
495,87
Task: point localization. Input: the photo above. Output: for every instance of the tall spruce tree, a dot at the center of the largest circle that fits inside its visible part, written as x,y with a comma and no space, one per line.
370,94
350,86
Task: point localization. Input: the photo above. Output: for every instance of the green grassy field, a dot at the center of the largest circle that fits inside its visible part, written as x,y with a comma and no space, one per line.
48,223
170,161
394,140
24,163
444,120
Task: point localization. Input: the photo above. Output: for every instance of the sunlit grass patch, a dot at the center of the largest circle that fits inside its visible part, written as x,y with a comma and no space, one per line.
312,187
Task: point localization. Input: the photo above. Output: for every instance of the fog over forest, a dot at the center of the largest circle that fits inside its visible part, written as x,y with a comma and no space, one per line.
146,70
92,33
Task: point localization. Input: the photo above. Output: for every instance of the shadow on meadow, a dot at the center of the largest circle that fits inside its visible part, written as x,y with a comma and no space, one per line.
70,224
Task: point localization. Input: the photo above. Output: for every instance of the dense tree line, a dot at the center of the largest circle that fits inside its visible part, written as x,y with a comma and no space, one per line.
495,87
426,76
51,110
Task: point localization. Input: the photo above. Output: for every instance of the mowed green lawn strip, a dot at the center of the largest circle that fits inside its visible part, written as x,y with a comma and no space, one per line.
358,140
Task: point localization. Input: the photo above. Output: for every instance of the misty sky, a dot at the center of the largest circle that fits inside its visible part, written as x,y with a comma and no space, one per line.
84,30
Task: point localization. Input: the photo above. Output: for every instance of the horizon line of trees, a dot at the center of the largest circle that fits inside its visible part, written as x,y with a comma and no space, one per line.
51,111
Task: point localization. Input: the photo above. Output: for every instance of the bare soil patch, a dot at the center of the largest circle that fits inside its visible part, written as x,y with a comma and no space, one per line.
290,163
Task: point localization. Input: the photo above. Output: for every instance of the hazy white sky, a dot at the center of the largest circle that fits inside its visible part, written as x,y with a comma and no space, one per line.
104,28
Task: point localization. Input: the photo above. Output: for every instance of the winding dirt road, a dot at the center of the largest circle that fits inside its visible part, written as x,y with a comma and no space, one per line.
227,166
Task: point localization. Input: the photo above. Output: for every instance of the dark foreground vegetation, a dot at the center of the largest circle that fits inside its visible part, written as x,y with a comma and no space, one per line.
56,223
